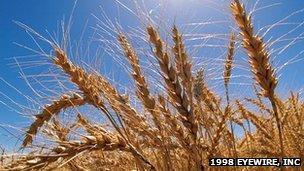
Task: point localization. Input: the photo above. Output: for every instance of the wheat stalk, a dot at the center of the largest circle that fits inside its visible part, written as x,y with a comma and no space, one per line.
227,75
204,94
144,94
183,64
177,96
66,101
180,129
229,60
87,83
92,86
256,49
259,61
142,88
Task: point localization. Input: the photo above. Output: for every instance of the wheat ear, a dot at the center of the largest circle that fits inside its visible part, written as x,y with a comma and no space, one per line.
254,119
227,75
92,86
203,93
178,97
64,102
144,94
106,142
182,62
219,131
259,61
229,60
87,83
142,87
256,49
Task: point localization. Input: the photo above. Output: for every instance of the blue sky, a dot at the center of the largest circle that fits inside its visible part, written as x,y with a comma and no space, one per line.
46,14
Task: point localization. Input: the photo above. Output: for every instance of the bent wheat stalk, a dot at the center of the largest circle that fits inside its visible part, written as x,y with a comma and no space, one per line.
92,85
64,102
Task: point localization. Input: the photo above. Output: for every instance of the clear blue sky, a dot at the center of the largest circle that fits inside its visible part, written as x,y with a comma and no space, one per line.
46,14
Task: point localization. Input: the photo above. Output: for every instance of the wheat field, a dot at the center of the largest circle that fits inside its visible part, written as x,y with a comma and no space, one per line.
177,127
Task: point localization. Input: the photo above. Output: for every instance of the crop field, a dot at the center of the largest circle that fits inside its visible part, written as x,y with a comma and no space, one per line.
166,94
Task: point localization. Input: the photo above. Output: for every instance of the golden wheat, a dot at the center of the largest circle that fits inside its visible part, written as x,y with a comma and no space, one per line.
179,128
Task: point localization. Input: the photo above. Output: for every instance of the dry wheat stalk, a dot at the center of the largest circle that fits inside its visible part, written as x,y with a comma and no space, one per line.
259,61
256,49
254,119
93,130
175,91
204,94
87,83
178,131
229,59
142,88
144,95
177,97
61,131
227,75
207,116
65,101
259,104
181,136
69,150
124,110
183,64
219,131
92,86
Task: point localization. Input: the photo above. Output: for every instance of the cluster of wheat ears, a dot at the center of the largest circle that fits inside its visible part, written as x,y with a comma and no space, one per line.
178,129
